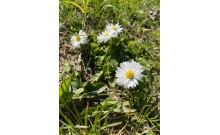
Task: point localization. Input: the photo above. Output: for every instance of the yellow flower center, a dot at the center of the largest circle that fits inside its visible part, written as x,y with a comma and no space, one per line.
106,35
78,38
129,74
114,28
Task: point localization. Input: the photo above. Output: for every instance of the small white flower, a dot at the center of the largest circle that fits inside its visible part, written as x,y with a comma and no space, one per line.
128,74
115,28
81,38
105,36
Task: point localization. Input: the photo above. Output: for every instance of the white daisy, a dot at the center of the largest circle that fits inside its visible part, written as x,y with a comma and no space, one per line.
81,38
128,74
105,36
115,28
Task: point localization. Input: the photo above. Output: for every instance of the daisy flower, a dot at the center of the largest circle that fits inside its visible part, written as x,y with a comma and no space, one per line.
128,74
81,38
105,36
115,28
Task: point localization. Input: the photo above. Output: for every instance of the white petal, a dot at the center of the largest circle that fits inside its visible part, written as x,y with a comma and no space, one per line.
73,37
81,33
119,30
109,26
76,44
124,66
135,81
83,39
138,76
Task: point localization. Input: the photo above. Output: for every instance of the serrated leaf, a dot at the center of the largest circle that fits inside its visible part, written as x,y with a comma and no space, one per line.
106,69
94,46
101,58
114,64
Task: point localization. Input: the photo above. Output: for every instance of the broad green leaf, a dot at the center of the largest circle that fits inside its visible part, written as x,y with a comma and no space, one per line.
94,87
77,93
64,86
118,108
75,85
102,89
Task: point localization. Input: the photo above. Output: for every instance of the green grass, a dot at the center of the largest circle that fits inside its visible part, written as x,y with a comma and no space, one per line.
91,102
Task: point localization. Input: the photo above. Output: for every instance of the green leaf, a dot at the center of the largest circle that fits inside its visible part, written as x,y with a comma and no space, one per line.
77,93
94,87
75,85
146,65
113,64
110,125
118,108
101,58
94,46
106,69
126,109
126,103
102,89
112,82
109,103
149,132
96,76
64,86
68,120
153,100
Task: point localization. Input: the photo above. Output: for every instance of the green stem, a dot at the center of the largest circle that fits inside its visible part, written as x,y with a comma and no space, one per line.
86,117
71,112
69,122
77,113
